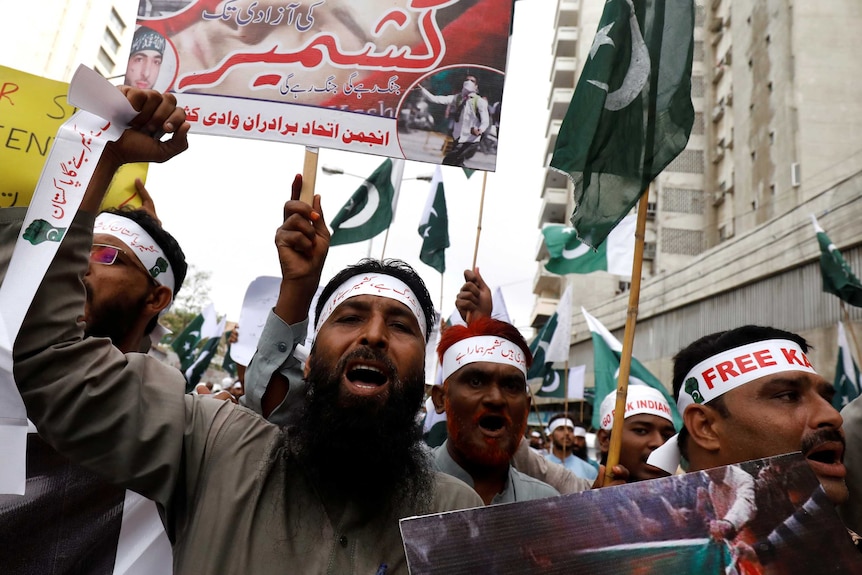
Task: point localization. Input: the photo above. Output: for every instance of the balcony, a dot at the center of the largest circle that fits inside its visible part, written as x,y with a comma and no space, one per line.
563,72
567,13
543,309
551,135
558,102
554,179
546,284
565,41
553,206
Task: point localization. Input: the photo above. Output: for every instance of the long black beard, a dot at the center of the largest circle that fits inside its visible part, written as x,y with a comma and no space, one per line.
360,450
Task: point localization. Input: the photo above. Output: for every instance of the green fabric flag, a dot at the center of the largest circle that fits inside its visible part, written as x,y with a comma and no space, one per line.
185,344
847,380
434,227
569,256
196,370
371,208
631,113
539,347
838,278
553,383
228,364
607,351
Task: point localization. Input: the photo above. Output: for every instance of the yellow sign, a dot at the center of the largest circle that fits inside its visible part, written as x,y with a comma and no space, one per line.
32,109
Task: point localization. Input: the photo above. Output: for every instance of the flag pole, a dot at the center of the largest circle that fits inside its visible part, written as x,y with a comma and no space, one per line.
628,340
566,389
309,175
849,325
479,225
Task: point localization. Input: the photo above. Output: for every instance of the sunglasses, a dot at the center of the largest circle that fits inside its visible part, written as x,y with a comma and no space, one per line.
107,255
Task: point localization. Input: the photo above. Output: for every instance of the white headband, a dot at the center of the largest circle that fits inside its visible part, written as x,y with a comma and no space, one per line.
563,421
382,285
483,348
639,399
727,370
140,243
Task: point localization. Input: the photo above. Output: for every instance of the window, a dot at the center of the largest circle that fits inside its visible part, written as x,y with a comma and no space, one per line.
117,22
110,42
105,60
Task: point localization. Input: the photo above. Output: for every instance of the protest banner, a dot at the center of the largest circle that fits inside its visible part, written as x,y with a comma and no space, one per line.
32,109
786,525
341,74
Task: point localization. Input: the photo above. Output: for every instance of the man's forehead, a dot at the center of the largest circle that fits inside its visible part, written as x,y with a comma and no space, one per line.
491,368
387,305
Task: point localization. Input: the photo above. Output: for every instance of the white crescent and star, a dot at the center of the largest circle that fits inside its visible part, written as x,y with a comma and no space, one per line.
577,252
367,212
639,65
554,385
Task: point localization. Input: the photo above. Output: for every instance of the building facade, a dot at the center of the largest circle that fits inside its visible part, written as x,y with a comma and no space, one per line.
96,33
776,138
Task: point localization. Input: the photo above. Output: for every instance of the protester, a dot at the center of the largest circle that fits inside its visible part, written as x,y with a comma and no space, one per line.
474,300
134,270
566,439
648,424
220,472
471,119
484,395
851,510
751,393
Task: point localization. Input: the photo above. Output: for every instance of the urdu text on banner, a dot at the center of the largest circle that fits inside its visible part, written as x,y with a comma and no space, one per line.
342,74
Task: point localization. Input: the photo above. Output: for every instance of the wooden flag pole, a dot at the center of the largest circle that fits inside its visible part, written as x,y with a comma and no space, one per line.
479,225
628,341
309,175
386,240
566,389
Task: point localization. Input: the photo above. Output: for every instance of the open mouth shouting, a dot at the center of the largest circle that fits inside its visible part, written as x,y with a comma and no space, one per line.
366,377
826,459
493,425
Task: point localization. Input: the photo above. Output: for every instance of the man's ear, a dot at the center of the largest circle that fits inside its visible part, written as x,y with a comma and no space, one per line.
305,367
159,299
701,422
438,397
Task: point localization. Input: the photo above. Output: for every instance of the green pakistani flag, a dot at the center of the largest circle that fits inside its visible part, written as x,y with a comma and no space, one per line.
371,208
196,370
838,279
552,384
434,227
847,380
607,351
228,364
569,256
185,344
631,113
539,347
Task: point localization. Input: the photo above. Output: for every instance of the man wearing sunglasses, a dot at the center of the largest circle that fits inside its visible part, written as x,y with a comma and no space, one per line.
135,269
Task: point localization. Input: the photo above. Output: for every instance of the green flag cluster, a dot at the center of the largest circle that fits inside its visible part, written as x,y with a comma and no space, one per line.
568,255
550,346
186,343
838,278
371,208
607,351
631,113
848,383
434,227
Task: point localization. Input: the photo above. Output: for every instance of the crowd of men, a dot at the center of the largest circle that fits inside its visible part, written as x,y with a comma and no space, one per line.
315,467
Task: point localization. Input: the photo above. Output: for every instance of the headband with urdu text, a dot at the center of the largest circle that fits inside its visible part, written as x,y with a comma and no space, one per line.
483,348
379,284
140,243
